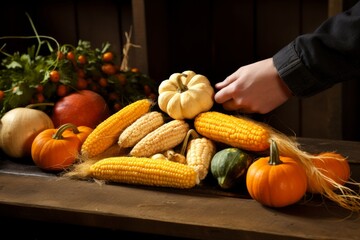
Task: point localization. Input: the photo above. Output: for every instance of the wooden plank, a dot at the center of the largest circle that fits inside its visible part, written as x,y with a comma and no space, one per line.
139,57
335,6
97,21
216,43
60,26
350,106
189,36
321,114
193,213
232,37
158,43
350,94
178,38
273,31
166,212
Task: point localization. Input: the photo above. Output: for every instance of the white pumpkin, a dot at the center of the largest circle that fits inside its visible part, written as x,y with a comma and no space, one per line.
185,95
19,127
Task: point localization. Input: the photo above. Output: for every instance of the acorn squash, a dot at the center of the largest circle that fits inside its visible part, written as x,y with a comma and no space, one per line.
229,165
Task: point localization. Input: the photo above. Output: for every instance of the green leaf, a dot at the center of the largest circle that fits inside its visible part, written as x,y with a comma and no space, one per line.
14,64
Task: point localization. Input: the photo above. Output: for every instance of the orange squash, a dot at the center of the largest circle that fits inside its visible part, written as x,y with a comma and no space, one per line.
82,108
82,132
334,166
276,181
53,150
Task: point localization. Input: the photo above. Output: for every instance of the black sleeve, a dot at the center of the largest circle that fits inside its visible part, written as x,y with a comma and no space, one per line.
331,54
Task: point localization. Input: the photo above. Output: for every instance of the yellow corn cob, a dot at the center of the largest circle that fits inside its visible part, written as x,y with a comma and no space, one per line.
144,171
140,128
235,131
161,139
108,131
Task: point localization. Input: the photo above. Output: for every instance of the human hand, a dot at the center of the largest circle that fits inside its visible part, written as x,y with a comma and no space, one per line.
254,88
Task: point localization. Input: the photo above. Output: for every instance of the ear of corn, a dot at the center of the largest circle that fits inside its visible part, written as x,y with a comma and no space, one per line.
235,131
108,131
140,128
144,171
199,154
167,136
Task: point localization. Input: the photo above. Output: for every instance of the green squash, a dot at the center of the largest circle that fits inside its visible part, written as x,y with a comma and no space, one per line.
228,165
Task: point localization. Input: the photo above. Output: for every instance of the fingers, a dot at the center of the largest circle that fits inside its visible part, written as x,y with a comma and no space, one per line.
224,94
233,105
226,82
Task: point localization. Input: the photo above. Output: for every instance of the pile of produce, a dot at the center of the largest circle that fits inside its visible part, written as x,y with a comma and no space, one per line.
176,148
128,140
172,147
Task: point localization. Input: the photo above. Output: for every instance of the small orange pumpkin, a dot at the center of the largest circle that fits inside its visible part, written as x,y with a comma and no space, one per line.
54,150
334,166
276,181
82,132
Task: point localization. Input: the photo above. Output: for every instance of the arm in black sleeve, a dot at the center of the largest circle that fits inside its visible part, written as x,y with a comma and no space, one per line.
331,54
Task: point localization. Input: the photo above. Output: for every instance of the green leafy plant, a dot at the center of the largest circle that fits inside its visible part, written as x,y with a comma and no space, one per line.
33,77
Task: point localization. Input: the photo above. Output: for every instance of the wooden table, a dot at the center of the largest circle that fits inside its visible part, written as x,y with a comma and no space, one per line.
205,212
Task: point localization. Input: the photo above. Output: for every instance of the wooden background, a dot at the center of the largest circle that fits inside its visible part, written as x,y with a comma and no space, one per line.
210,37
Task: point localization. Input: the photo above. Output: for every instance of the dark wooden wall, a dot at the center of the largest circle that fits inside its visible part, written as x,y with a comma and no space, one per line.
211,37
68,21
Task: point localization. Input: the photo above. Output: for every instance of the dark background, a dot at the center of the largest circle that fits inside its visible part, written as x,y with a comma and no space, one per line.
210,37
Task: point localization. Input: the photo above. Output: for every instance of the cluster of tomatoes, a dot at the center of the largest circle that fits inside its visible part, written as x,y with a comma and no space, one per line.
118,87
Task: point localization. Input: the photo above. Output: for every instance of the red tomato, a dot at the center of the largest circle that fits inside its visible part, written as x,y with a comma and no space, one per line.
54,76
62,90
109,68
82,59
81,83
2,95
103,82
70,56
108,57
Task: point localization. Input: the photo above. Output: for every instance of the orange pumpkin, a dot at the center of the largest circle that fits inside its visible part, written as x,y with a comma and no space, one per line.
276,181
334,166
82,132
54,150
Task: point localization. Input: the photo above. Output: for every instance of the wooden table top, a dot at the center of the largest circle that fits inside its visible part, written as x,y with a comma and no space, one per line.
204,212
